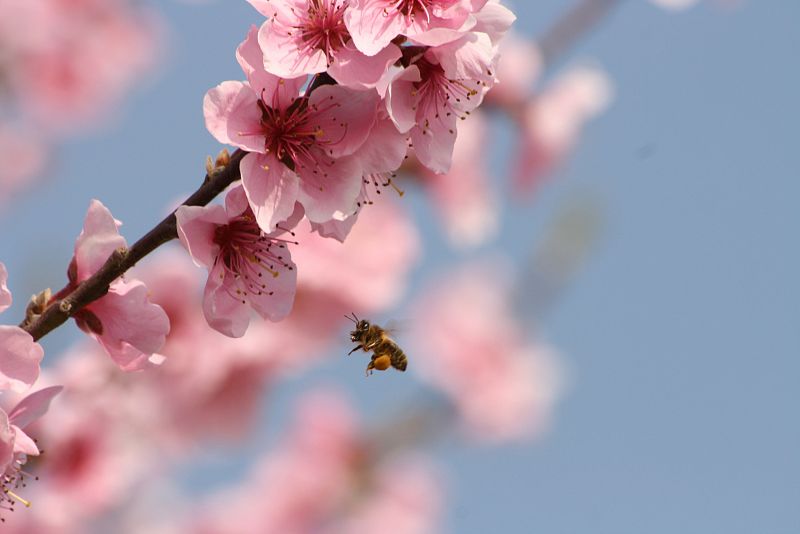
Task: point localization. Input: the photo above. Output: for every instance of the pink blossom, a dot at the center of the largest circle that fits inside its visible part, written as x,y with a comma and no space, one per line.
124,322
24,156
299,486
101,446
303,37
427,102
503,386
552,121
20,355
374,23
405,493
69,62
248,268
302,146
381,154
15,444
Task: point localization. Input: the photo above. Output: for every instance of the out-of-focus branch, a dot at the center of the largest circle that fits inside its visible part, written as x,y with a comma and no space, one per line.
62,308
572,26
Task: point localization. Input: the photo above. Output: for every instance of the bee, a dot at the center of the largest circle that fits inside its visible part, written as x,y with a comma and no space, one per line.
385,352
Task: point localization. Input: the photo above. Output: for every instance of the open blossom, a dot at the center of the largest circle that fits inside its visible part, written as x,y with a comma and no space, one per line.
309,37
248,268
20,355
503,386
427,101
15,444
124,321
301,146
405,493
374,23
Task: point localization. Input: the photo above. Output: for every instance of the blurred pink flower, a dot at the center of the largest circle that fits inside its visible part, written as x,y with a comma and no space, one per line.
68,62
518,69
475,351
463,196
405,493
101,446
210,385
20,355
368,271
23,156
124,322
301,147
297,487
248,269
552,121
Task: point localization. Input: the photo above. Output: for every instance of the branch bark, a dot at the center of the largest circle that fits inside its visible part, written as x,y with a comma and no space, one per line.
94,287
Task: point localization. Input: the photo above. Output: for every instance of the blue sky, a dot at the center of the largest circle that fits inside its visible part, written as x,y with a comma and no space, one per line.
681,330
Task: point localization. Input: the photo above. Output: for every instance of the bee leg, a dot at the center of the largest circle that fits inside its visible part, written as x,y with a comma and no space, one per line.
355,349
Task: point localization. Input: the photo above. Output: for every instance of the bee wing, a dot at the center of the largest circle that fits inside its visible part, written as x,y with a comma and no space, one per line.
394,326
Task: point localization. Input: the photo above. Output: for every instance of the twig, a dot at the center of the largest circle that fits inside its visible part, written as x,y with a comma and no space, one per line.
94,287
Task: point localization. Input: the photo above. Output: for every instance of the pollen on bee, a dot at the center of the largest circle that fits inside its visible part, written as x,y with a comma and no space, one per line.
382,362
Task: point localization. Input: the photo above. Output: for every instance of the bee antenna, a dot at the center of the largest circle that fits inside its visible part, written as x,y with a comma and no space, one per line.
354,318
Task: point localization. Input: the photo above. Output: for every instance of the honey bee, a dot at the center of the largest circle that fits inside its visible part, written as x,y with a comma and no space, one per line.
385,352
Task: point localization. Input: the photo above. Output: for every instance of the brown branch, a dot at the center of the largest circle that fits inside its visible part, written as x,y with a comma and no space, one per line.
573,25
94,287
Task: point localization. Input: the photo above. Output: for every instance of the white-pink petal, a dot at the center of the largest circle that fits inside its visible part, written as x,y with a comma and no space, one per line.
20,357
5,294
272,189
196,227
232,116
97,241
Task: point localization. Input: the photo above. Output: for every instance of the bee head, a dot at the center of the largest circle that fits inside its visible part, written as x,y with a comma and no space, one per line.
361,328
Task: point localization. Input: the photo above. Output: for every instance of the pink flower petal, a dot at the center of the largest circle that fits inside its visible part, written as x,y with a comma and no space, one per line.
281,42
352,68
232,116
271,187
224,313
23,444
277,92
332,191
196,227
5,294
133,327
97,241
370,26
6,442
385,148
33,406
434,145
401,101
345,117
20,357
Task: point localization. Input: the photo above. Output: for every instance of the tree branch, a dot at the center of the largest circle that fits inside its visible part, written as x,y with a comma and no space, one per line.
573,25
94,287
